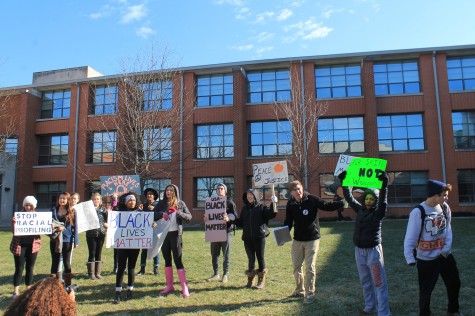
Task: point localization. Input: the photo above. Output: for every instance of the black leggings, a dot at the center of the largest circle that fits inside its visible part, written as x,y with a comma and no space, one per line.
255,248
67,253
26,256
94,244
127,257
172,245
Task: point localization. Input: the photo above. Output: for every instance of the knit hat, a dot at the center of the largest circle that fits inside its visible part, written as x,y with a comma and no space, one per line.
224,186
154,192
30,200
435,187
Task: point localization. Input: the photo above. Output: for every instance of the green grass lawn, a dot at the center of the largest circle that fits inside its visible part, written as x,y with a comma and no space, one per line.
338,288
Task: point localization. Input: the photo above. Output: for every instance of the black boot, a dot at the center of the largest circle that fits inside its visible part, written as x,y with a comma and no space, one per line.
128,295
142,271
155,270
117,297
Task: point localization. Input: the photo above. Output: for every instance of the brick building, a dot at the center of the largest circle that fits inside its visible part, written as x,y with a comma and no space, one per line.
415,108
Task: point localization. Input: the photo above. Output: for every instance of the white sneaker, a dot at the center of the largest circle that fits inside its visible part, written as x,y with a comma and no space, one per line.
224,279
213,278
309,299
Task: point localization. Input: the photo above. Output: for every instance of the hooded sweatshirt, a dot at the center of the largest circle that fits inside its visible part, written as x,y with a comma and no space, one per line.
182,212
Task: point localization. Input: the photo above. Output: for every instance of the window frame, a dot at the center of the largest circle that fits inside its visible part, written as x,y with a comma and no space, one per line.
61,97
108,98
52,195
157,95
268,86
279,132
214,150
336,132
396,78
46,148
212,88
160,147
337,79
210,188
395,129
466,125
102,153
461,73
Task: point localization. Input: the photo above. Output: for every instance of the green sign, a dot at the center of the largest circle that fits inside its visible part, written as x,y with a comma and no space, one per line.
364,172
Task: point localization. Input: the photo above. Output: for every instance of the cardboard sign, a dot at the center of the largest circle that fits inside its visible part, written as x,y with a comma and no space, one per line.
364,172
120,184
86,216
129,230
270,173
343,163
32,223
216,228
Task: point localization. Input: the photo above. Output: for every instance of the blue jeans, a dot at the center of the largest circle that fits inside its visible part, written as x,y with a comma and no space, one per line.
370,264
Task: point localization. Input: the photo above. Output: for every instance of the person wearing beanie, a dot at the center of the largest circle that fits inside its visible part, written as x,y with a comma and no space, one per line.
152,200
25,250
368,247
429,233
225,246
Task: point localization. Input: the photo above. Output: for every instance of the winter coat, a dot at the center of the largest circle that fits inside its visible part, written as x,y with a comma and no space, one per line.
70,233
101,231
182,211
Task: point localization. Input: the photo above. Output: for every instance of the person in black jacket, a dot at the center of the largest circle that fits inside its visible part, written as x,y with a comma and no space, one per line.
216,247
253,220
301,213
152,200
368,248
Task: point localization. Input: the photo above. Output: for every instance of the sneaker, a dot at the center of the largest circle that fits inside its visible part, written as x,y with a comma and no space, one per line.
14,296
155,271
224,279
309,299
213,278
363,312
142,271
298,294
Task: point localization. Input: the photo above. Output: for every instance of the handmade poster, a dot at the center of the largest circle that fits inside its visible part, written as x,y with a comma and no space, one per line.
343,163
270,173
159,233
129,230
120,184
32,223
216,228
364,172
86,216
282,235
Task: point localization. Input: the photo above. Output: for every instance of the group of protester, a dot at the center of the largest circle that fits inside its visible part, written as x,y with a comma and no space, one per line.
427,244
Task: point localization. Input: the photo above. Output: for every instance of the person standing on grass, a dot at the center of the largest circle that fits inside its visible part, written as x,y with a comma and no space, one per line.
368,248
25,250
152,200
173,209
301,213
216,247
95,240
429,232
253,220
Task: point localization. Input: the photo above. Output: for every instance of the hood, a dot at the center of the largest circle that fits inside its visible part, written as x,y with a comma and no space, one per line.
175,188
254,192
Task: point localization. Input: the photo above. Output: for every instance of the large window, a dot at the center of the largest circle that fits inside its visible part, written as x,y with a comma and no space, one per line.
47,193
215,90
269,86
408,187
466,184
214,141
157,143
206,187
102,148
461,73
273,138
463,124
9,145
55,104
105,100
157,95
400,132
157,184
338,81
53,150
341,135
396,78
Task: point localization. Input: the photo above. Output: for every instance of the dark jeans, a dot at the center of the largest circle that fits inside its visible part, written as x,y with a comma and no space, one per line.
26,256
172,245
126,257
428,274
143,259
94,245
216,248
256,248
66,254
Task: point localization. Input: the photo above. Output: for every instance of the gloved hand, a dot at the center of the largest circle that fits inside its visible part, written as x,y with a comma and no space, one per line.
166,217
274,199
171,210
342,176
384,178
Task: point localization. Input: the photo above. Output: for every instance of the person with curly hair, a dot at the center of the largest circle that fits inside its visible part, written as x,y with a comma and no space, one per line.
25,250
46,297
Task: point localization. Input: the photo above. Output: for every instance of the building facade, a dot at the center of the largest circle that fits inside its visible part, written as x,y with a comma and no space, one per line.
413,108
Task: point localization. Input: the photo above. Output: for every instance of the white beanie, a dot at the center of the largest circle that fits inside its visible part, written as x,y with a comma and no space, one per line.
30,200
224,186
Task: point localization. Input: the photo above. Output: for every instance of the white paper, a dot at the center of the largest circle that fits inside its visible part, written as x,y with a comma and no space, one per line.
33,223
282,235
86,216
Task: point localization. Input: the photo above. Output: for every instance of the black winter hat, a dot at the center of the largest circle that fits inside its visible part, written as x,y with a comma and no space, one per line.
154,192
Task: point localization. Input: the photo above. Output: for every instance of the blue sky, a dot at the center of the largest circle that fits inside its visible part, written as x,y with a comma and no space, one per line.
56,34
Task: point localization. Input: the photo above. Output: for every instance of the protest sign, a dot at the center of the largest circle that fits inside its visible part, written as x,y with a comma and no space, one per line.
216,228
364,172
86,216
159,234
270,173
129,229
282,235
32,223
120,184
343,163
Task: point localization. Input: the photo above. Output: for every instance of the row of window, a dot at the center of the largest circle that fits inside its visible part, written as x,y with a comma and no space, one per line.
331,81
405,188
400,132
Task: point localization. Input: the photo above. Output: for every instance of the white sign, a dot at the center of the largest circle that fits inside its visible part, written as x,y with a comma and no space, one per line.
343,163
32,223
270,173
159,233
129,230
216,229
86,216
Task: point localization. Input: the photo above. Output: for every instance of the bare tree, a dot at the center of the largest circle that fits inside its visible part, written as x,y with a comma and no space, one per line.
9,122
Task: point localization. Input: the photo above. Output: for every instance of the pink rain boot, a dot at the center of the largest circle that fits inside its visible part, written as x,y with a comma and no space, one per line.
169,281
184,286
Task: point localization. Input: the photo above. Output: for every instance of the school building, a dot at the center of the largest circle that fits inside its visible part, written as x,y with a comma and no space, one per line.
414,108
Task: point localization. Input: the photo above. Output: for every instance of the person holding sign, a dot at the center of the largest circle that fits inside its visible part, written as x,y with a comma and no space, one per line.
216,247
173,209
253,220
368,248
152,200
25,250
301,213
95,240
